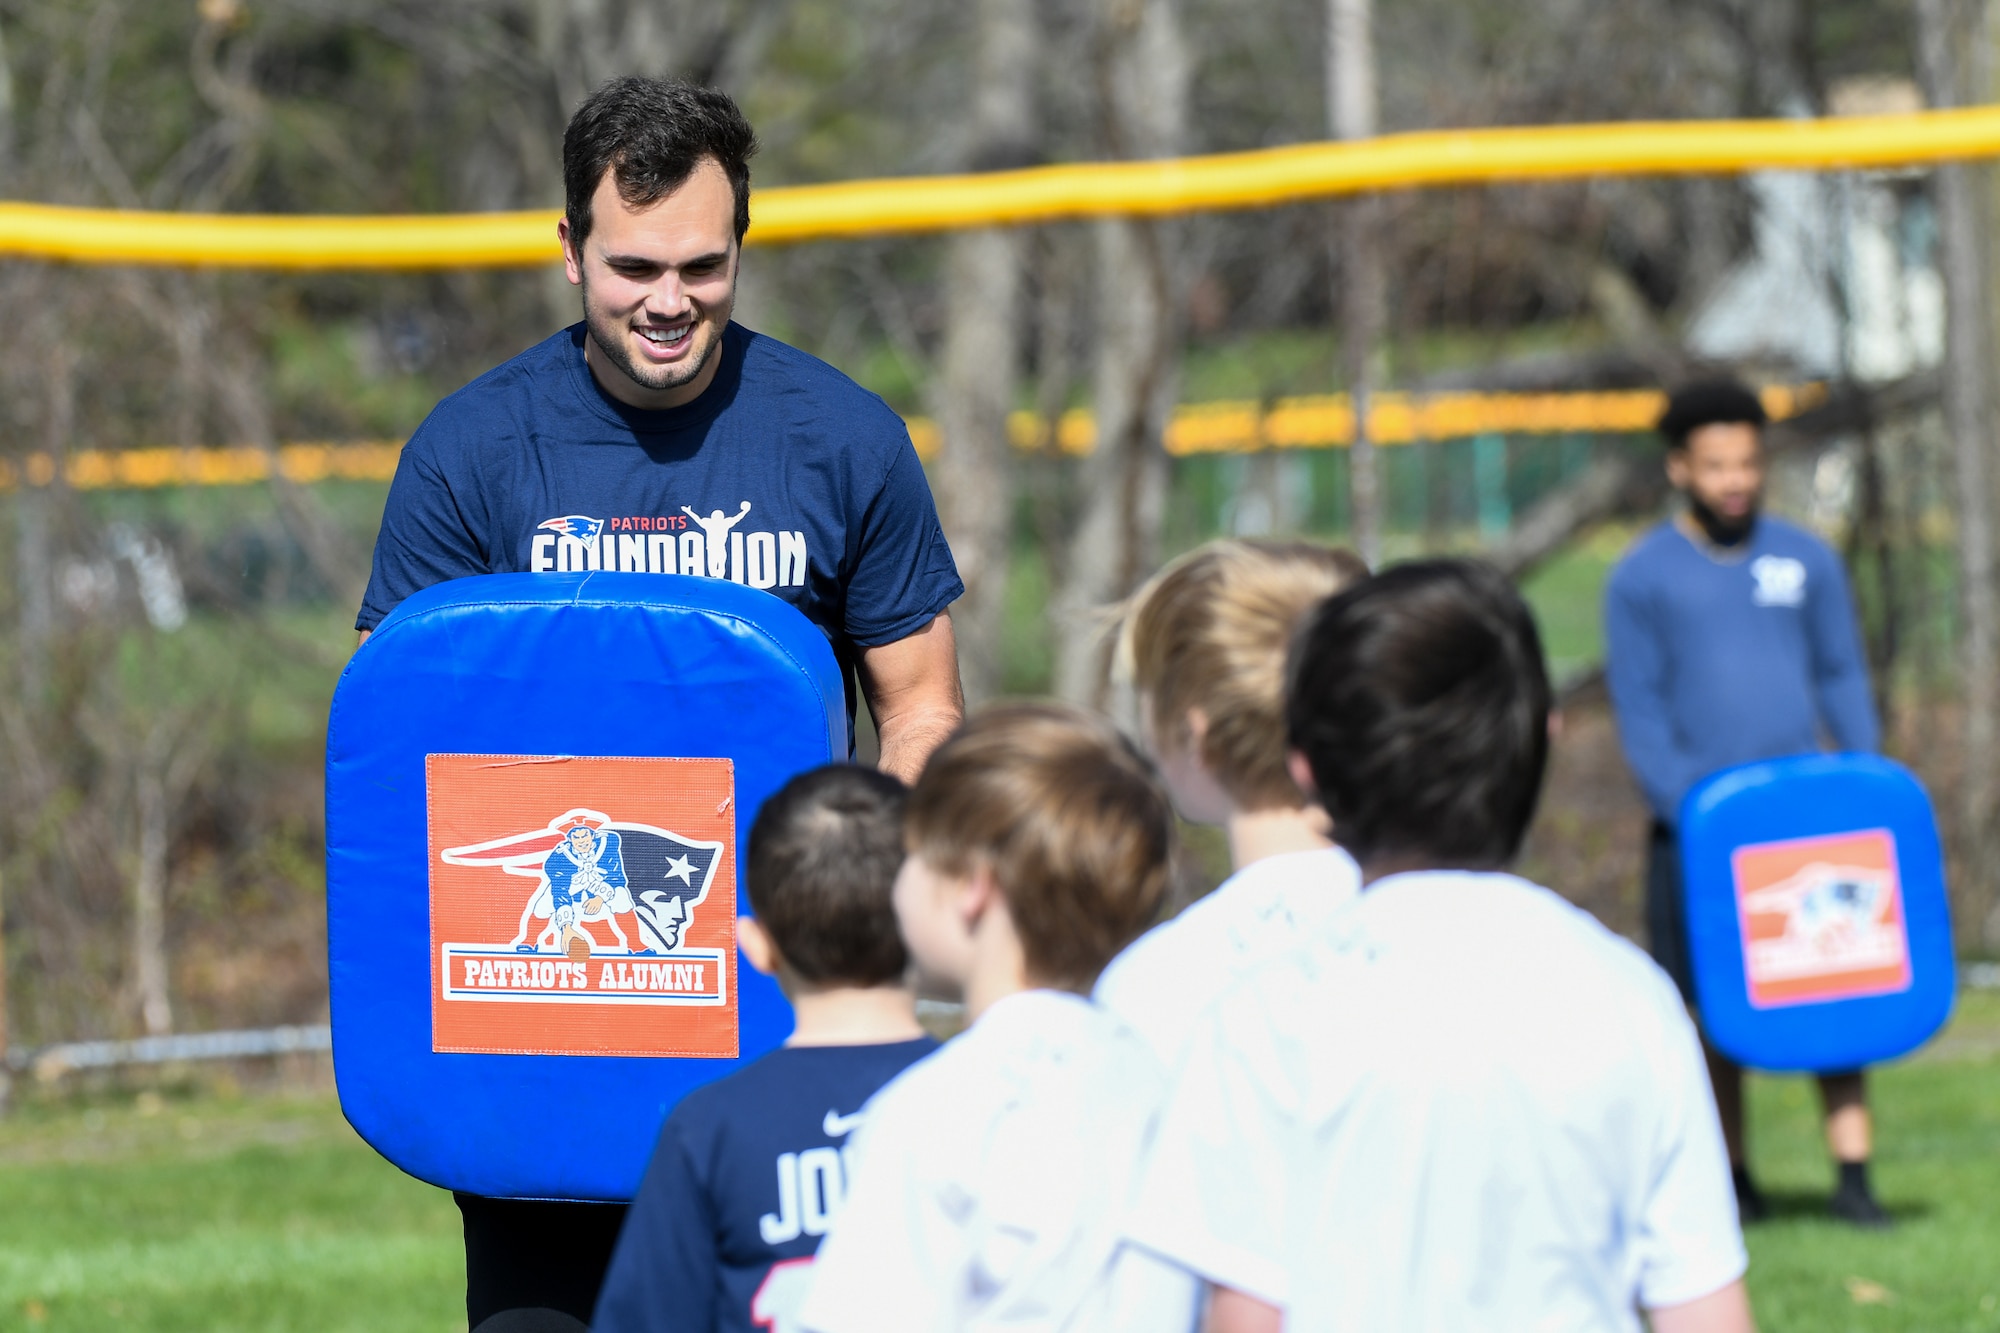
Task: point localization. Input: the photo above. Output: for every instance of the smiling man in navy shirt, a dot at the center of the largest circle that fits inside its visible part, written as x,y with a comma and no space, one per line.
657,436
1731,638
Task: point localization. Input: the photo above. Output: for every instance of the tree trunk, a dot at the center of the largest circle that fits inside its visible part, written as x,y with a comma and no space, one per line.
974,472
6,1079
149,887
1871,547
1350,96
1948,32
1142,79
32,569
34,535
332,556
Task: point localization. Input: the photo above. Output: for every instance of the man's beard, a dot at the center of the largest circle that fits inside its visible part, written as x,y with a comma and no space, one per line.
1719,530
610,339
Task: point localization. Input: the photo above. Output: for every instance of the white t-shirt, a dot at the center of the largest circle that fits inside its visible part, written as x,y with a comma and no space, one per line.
1467,1106
1168,977
991,1181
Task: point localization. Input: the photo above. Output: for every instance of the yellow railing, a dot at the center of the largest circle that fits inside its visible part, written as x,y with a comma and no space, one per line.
1260,179
1196,428
238,465
1327,420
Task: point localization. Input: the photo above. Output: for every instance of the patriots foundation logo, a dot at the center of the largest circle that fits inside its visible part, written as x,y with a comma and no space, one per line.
606,918
716,544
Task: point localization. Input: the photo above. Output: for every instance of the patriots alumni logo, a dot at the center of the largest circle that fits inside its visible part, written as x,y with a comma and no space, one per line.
593,878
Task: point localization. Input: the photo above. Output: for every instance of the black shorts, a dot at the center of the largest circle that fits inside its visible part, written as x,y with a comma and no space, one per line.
533,1254
1666,917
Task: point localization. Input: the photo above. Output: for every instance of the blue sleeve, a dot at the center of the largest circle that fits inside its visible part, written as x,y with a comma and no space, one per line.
425,537
902,574
1636,672
1839,667
612,863
559,870
664,1275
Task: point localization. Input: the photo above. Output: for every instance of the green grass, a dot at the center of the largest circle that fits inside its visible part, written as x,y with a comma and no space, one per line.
223,1212
1937,1169
214,1213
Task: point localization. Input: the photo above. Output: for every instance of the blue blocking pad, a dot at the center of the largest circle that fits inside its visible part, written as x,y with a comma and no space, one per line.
536,788
1817,919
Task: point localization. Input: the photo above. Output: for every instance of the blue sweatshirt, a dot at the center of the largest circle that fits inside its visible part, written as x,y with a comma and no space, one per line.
1715,662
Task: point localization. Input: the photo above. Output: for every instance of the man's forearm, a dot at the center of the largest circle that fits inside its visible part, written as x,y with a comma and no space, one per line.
913,695
908,739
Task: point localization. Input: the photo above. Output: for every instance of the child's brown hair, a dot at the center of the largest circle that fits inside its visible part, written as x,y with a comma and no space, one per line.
1209,631
1069,817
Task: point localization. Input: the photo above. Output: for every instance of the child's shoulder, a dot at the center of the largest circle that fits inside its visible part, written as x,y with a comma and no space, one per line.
811,1077
1526,957
1459,933
1029,1042
1038,1067
1262,910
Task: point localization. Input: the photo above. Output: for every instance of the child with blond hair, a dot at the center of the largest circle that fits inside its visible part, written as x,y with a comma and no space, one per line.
1204,644
991,1180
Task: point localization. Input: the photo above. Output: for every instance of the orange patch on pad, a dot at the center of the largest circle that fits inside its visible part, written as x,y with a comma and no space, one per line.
1822,918
582,906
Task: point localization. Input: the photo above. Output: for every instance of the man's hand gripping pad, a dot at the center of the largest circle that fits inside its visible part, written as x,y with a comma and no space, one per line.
536,789
1816,912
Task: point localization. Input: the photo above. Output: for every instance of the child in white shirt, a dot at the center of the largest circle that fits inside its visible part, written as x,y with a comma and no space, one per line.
991,1180
1467,1106
1204,644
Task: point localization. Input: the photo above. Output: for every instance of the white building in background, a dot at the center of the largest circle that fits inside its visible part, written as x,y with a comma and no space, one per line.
1841,283
1824,242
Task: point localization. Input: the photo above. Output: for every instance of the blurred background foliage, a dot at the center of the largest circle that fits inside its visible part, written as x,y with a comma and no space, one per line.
169,655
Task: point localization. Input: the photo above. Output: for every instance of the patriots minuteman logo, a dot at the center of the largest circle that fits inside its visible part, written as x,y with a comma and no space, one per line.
593,876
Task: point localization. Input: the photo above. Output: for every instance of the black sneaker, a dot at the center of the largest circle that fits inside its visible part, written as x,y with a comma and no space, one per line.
1749,1199
1857,1207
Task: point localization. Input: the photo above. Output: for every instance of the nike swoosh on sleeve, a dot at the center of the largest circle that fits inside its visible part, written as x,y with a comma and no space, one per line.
838,1126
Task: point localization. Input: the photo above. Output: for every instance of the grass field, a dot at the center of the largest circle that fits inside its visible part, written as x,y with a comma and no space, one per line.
1938,1171
225,1211
217,1212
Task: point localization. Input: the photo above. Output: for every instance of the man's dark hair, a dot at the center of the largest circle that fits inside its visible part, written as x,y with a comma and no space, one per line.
651,134
1419,699
824,852
1709,403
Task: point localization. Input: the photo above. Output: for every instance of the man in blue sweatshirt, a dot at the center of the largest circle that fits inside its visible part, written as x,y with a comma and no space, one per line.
1731,637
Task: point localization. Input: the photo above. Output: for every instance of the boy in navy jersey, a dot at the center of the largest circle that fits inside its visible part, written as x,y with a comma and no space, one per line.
750,1169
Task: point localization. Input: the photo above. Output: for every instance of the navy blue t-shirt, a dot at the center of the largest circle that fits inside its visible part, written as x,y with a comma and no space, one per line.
732,1209
784,474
